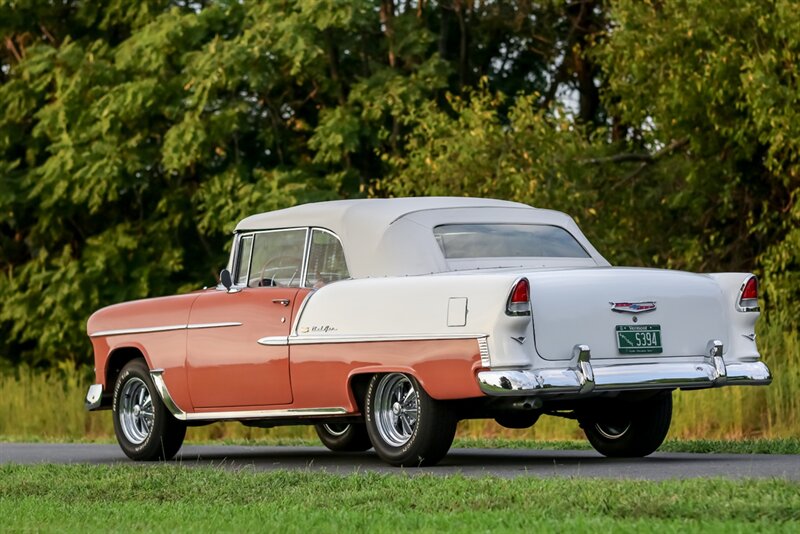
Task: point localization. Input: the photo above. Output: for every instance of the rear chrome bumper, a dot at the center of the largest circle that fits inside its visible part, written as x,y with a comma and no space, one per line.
584,377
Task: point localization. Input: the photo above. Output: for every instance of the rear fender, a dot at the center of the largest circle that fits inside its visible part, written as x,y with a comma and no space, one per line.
742,325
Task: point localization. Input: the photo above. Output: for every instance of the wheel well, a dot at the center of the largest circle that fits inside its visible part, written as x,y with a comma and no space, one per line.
117,360
358,385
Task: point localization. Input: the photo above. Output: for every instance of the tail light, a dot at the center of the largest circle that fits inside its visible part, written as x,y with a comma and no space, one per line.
519,301
748,296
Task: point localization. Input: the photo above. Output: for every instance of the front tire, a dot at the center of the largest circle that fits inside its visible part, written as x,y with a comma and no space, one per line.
144,427
407,427
344,437
621,429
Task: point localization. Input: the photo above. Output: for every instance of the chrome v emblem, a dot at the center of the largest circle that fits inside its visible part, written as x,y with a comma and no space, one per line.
633,307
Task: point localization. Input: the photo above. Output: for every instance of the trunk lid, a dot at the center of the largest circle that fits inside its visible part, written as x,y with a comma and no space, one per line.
575,307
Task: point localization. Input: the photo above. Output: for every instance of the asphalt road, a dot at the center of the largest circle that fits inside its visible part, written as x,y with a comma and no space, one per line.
469,462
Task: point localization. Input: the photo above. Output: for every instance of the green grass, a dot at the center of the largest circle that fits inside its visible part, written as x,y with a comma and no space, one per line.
172,498
49,406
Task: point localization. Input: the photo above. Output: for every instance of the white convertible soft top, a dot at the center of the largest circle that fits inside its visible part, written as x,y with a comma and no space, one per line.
394,236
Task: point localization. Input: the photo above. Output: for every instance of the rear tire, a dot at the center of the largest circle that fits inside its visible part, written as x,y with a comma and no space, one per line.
344,437
145,429
623,429
407,427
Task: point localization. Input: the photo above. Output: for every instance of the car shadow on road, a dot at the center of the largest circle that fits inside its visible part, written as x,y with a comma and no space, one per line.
501,462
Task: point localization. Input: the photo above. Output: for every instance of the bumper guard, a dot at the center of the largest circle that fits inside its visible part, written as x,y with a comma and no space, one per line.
94,397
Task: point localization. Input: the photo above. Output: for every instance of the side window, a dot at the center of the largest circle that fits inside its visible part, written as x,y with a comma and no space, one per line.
325,260
277,258
245,248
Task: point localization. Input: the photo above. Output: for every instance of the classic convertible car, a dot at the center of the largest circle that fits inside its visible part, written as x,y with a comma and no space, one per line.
385,322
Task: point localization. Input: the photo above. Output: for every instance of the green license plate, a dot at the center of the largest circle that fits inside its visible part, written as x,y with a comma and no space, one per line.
639,339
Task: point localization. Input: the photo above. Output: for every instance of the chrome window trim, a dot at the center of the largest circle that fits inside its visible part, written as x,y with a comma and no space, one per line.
253,233
237,252
308,252
166,328
238,259
566,231
306,256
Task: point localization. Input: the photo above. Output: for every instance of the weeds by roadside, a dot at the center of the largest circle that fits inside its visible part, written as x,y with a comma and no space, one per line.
49,407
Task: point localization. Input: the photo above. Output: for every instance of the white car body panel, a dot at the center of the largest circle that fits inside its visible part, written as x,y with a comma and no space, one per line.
690,310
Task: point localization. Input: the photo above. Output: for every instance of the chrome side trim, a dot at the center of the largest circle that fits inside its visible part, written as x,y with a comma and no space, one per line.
161,387
167,328
211,325
319,340
374,338
483,347
94,397
145,330
274,340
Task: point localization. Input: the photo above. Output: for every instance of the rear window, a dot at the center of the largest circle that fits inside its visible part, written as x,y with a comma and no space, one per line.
459,241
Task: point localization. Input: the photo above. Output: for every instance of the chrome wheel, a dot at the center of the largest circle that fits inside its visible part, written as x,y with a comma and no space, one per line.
395,409
136,414
613,430
336,429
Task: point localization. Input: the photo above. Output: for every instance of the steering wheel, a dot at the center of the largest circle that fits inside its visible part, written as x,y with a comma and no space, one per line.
264,282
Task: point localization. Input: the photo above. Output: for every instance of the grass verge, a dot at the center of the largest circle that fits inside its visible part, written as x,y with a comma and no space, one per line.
168,498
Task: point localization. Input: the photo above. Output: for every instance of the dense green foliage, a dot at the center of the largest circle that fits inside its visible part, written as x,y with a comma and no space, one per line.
59,498
133,135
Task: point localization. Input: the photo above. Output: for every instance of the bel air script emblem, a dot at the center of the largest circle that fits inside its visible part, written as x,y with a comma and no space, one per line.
633,307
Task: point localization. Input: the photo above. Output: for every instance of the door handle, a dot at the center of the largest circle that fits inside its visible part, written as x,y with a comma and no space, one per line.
285,302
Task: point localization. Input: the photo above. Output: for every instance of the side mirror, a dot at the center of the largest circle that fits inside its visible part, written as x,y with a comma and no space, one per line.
225,279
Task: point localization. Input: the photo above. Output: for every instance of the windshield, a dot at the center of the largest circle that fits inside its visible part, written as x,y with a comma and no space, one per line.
459,241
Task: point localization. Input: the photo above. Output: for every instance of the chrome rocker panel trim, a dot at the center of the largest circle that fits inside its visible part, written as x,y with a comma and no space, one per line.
169,402
94,397
585,378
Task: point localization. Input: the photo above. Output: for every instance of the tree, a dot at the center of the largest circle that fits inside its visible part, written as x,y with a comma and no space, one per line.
720,86
134,135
